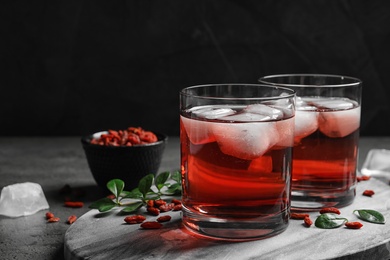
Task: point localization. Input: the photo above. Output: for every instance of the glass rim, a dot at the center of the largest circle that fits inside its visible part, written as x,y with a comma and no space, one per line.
291,92
354,81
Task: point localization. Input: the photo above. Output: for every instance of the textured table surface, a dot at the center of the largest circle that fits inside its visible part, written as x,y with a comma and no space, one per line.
56,161
101,236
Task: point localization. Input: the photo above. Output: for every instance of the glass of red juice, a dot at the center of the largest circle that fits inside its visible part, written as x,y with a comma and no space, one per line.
236,152
326,138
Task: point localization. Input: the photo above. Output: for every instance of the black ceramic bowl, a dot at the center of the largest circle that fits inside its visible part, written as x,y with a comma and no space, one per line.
128,163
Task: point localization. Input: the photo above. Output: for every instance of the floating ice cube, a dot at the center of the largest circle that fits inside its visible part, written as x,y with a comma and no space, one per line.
304,104
339,123
22,199
306,123
198,131
334,104
245,140
210,112
285,129
268,111
246,117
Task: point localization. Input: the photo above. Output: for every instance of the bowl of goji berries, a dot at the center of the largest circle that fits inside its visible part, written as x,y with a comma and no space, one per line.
127,154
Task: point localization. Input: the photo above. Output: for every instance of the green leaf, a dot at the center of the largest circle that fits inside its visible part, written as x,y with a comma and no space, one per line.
104,208
329,220
161,179
152,196
370,216
173,189
116,187
103,205
176,176
134,194
133,207
145,184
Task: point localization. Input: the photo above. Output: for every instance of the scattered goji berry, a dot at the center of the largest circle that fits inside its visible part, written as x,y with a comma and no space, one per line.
176,201
135,219
330,210
49,215
111,196
353,225
158,203
150,203
154,211
298,215
53,219
363,178
74,204
151,225
368,193
164,218
177,207
72,219
166,207
308,221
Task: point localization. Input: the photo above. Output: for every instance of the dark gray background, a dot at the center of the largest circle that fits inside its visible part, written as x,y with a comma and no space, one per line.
74,67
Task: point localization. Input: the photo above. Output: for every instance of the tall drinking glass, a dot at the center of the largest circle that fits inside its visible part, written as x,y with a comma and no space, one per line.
236,143
326,138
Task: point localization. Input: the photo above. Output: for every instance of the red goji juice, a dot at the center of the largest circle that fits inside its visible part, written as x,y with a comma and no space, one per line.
325,153
236,172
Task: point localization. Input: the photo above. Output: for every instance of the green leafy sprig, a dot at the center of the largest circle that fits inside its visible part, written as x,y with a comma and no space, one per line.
149,188
331,220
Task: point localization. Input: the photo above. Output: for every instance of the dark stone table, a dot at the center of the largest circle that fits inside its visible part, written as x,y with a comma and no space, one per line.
58,161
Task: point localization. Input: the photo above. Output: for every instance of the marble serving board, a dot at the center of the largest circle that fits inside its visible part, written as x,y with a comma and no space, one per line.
106,236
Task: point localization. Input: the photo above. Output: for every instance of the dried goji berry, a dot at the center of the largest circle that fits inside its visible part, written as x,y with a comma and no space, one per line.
368,193
158,203
111,196
330,210
308,221
53,219
298,215
128,137
353,225
150,203
166,207
164,218
148,137
177,207
49,215
151,225
154,211
363,178
74,204
72,219
133,139
134,219
176,201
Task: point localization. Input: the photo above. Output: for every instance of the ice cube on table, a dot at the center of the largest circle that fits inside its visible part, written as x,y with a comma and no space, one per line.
22,199
199,132
377,164
245,140
339,123
306,123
